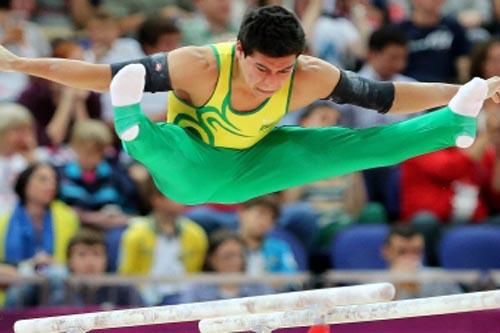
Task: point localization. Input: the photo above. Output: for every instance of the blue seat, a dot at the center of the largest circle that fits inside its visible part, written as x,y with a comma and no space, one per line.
298,249
359,247
471,247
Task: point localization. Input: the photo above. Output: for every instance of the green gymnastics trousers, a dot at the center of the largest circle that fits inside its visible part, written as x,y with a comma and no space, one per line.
187,170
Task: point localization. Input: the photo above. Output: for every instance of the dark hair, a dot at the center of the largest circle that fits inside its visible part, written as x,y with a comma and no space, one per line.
24,177
273,31
5,4
86,236
154,27
313,107
216,239
402,230
479,55
268,201
386,36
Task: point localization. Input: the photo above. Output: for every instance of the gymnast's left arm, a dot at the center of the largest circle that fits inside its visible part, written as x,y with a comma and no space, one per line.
393,97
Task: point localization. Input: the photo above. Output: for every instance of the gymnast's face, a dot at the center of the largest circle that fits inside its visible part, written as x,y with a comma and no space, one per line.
263,74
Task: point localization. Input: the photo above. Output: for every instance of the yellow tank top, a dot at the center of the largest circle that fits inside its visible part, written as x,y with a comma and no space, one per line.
216,122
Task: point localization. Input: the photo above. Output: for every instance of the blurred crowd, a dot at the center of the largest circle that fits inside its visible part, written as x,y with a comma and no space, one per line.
73,202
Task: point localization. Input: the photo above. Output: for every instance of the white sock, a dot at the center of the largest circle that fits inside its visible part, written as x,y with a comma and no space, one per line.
128,85
127,89
469,99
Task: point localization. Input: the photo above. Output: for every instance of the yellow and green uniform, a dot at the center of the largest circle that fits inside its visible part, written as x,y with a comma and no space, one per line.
214,153
219,125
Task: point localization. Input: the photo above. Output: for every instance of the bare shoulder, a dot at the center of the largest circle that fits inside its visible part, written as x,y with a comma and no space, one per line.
314,79
192,63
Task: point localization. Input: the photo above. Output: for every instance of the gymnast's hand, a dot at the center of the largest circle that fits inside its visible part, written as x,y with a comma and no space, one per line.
7,58
494,88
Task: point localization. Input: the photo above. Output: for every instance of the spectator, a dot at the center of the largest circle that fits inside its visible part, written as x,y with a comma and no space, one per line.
403,251
162,244
386,60
18,148
460,185
105,46
337,201
211,23
86,253
225,255
56,107
132,13
438,45
87,256
157,34
22,37
101,192
40,226
333,38
265,254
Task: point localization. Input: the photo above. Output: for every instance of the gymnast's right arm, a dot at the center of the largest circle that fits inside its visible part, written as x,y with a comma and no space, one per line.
73,73
189,63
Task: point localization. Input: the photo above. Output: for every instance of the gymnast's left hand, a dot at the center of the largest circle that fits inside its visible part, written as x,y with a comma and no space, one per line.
7,58
494,88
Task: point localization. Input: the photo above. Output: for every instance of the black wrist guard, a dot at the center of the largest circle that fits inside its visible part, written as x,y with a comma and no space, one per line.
353,89
157,76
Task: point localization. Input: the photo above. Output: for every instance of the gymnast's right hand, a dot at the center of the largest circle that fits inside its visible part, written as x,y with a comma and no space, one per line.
7,59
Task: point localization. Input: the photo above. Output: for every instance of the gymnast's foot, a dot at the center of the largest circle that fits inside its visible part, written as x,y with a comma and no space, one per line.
467,102
126,91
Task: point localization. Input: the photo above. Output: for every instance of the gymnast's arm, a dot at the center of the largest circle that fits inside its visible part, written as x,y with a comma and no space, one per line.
184,66
393,97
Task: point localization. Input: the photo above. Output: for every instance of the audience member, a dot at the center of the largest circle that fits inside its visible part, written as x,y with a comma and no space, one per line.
226,254
22,37
403,251
102,192
438,45
211,23
162,244
55,107
265,254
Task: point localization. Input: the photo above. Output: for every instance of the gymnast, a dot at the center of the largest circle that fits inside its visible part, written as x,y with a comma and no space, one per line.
220,142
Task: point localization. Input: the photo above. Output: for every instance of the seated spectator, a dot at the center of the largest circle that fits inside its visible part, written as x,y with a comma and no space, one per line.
225,255
56,107
132,13
337,202
35,235
452,185
86,254
162,244
39,224
265,254
101,192
404,252
157,34
438,45
211,23
453,181
17,149
23,38
105,46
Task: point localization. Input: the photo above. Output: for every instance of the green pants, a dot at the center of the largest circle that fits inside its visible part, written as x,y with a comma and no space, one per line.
189,171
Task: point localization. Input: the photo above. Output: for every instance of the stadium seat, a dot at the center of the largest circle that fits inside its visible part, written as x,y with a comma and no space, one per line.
359,247
471,247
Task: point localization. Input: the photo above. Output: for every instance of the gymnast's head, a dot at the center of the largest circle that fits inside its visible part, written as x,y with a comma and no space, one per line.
269,41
